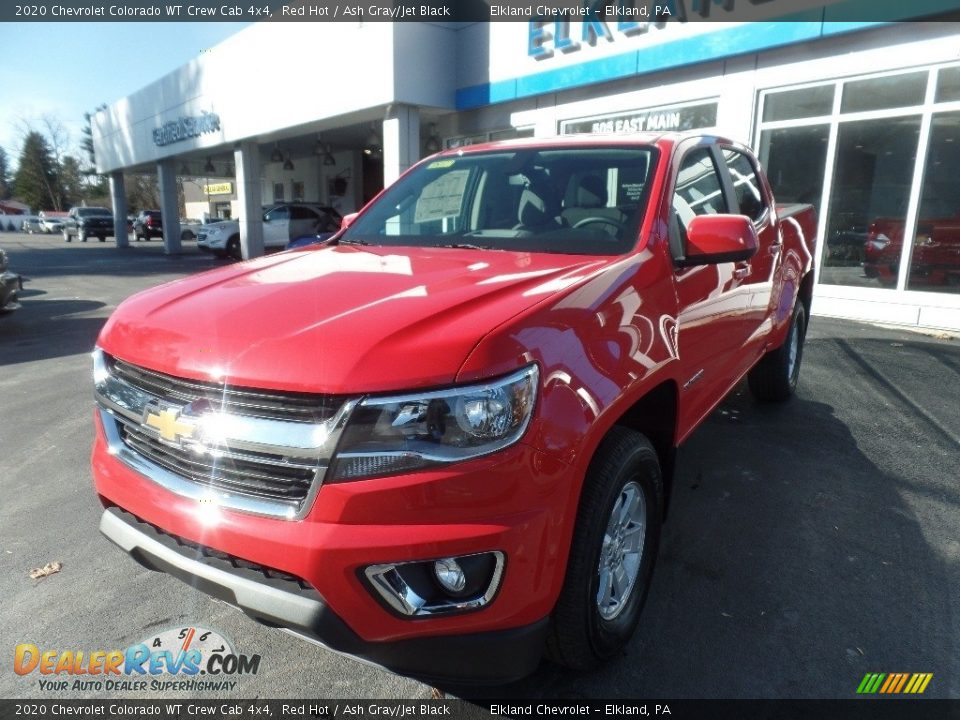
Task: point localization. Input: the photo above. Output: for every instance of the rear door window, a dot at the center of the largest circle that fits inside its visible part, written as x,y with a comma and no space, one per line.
746,184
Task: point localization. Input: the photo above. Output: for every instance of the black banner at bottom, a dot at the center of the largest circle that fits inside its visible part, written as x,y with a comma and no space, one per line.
859,709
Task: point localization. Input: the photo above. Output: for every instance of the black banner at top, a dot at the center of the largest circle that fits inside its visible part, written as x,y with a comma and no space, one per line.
623,12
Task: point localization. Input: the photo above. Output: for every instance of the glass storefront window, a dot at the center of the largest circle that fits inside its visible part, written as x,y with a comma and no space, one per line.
511,133
871,189
948,84
935,259
796,159
795,104
884,92
873,168
507,134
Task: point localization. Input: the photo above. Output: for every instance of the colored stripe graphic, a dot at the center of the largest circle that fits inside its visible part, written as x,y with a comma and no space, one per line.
892,679
894,683
903,680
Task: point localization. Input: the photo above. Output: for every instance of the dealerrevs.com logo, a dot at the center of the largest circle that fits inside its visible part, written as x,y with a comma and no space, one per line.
187,659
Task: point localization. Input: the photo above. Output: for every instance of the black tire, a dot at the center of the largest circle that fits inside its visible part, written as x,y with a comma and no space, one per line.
581,635
82,235
66,236
774,377
102,238
233,248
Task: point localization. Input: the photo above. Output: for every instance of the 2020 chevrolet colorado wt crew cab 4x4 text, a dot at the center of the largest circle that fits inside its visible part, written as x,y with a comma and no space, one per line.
444,440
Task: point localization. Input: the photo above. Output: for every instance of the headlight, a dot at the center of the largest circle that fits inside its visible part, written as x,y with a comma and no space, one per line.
407,432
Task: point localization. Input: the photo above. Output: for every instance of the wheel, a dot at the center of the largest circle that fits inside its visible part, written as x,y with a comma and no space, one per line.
82,235
138,237
233,247
66,236
774,378
102,238
614,548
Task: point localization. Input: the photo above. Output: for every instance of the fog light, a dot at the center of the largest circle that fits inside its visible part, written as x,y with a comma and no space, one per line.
445,586
450,575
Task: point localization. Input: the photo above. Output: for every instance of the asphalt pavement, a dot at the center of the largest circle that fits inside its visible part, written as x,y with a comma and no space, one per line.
808,543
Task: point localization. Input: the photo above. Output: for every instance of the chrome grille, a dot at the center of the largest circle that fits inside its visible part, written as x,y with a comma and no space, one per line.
255,474
296,407
247,449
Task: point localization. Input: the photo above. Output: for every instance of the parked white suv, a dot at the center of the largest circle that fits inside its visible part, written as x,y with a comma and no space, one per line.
281,224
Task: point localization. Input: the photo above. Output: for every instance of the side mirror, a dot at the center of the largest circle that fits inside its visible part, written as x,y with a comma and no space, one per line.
715,239
347,219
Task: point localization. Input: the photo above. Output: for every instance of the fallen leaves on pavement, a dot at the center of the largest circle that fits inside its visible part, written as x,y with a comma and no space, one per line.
48,569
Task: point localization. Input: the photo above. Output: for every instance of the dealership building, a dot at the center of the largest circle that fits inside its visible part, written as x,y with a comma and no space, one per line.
859,118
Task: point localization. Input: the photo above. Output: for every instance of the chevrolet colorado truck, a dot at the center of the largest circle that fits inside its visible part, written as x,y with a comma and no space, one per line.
444,440
85,222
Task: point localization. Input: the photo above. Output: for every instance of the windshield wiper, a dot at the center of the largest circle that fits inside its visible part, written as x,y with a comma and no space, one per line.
466,246
344,241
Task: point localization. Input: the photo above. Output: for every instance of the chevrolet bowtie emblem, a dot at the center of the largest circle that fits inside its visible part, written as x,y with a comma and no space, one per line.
170,424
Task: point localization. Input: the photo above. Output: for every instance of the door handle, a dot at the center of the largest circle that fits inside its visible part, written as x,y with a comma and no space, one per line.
774,248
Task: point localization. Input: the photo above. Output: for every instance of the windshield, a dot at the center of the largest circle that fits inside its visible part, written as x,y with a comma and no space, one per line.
90,212
579,200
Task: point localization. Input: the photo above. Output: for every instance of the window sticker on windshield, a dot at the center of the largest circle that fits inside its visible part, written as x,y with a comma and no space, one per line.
442,198
440,164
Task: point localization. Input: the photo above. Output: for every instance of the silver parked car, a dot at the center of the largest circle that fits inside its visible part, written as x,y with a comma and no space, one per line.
31,224
52,225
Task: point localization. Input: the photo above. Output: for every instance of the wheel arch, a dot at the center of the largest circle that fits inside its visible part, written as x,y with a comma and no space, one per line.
655,416
805,293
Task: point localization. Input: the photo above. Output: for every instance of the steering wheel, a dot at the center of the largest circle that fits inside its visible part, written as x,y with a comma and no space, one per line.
597,220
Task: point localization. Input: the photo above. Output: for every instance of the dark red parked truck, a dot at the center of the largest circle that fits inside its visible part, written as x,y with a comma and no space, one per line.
444,441
935,258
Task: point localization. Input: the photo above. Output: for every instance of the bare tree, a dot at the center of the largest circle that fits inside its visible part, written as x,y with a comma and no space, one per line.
143,191
58,137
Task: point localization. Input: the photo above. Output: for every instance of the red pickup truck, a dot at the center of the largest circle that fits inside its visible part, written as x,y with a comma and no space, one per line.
444,441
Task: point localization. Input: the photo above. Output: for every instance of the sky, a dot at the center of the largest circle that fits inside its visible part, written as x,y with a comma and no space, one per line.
67,69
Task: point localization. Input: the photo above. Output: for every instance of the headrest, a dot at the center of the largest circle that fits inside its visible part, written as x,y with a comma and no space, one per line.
592,192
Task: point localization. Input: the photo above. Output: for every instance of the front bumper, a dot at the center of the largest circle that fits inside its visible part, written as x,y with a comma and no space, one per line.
517,502
489,657
211,244
96,230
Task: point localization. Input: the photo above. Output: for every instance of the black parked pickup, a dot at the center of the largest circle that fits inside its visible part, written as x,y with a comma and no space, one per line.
148,224
84,222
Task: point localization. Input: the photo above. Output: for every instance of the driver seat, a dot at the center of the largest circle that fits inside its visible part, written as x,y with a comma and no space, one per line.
586,197
539,209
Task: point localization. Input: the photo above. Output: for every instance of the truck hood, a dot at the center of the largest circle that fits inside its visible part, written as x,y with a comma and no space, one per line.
337,319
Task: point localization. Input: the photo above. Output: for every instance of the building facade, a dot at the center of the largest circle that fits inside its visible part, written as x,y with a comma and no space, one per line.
861,119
